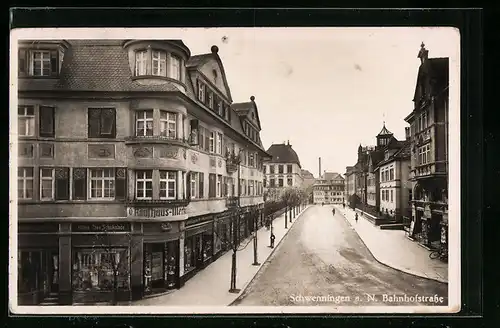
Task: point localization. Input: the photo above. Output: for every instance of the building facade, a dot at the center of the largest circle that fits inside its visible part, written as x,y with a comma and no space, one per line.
429,152
134,166
282,171
350,184
329,191
395,188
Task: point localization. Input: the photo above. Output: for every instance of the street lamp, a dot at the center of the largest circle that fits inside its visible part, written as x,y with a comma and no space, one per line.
236,227
255,261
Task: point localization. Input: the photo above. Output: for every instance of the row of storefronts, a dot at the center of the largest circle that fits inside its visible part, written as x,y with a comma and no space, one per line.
91,262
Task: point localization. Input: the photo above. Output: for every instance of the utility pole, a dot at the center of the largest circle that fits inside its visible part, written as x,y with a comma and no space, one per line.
255,261
236,230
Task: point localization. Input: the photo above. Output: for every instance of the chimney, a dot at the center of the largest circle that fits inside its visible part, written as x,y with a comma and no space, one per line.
407,133
319,168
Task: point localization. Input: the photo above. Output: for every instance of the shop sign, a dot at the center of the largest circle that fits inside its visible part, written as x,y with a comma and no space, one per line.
152,212
199,219
100,227
38,227
166,226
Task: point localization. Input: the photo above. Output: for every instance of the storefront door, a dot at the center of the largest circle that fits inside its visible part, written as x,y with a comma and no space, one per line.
171,264
157,267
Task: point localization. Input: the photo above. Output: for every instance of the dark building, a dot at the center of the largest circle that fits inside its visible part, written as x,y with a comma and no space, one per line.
132,162
429,152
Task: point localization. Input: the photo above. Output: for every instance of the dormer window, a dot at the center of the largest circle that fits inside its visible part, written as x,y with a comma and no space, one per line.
141,62
219,108
201,91
38,62
159,62
176,67
211,100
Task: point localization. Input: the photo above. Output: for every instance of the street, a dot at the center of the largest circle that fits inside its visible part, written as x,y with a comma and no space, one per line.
322,261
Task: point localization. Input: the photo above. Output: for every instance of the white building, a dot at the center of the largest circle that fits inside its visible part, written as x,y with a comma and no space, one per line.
329,189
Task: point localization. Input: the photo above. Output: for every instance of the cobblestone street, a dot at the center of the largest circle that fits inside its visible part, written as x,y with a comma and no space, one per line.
322,256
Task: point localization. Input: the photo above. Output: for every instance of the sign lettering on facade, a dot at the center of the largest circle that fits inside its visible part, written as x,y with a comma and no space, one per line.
151,212
100,227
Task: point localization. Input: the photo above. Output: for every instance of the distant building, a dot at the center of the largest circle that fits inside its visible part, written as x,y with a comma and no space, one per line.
282,171
329,189
307,183
429,152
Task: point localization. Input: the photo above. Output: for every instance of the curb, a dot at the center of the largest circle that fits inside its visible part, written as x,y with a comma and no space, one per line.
390,266
244,288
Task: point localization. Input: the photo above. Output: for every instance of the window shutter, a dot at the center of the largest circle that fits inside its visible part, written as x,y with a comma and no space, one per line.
54,67
194,139
47,126
22,61
198,88
79,183
94,122
201,184
188,185
206,96
228,109
207,140
120,183
62,183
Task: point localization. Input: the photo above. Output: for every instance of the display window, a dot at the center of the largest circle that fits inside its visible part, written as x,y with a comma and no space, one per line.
97,269
189,254
207,250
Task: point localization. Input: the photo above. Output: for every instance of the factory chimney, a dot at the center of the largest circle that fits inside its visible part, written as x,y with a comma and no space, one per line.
319,177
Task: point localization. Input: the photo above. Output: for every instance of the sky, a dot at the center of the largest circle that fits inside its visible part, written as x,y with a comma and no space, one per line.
325,90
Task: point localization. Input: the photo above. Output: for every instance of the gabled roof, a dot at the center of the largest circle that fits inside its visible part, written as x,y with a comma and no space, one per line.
283,153
437,70
243,109
197,61
402,153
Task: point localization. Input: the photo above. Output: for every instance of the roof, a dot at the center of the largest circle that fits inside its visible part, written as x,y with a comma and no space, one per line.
197,60
94,66
437,70
384,131
376,157
306,174
403,152
283,153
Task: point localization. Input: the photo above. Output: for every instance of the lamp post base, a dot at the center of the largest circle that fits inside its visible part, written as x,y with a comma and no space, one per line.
255,263
234,290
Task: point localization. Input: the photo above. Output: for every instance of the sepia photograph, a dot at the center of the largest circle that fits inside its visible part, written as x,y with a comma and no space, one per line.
235,170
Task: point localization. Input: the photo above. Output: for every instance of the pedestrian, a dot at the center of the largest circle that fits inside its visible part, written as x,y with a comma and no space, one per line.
273,237
343,205
333,212
356,217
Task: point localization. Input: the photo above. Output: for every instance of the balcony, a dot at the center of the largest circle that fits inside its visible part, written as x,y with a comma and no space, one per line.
232,162
156,139
232,202
429,170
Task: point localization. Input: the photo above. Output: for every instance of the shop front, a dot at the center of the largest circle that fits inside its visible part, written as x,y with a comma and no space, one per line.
223,233
38,263
198,245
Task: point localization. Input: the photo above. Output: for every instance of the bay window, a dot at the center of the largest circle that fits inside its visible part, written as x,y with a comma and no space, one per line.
144,123
102,184
144,184
26,121
168,184
25,183
423,155
141,62
168,124
175,67
159,63
40,63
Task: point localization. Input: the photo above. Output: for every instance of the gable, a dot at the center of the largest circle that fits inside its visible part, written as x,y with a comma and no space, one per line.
212,69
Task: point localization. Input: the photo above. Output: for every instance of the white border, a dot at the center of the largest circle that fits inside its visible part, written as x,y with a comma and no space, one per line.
454,287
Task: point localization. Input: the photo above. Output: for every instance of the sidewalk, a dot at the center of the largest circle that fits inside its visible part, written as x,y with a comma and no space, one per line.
393,248
211,285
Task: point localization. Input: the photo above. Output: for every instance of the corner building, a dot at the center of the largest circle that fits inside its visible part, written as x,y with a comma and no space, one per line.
132,163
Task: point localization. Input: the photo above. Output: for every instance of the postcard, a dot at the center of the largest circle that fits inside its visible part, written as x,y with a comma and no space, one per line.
235,170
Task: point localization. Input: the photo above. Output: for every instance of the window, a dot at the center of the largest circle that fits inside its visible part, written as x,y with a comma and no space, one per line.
141,62
159,63
144,184
424,119
168,184
289,181
289,168
102,184
280,182
93,269
168,124
391,174
102,123
47,180
264,169
201,141
423,155
26,121
265,183
219,186
210,100
243,188
201,184
271,169
25,183
280,169
175,71
272,183
144,123
201,91
211,185
219,143
47,121
212,142
40,63
251,187
251,162
392,199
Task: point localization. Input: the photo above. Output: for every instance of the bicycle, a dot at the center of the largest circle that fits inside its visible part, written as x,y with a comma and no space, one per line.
441,253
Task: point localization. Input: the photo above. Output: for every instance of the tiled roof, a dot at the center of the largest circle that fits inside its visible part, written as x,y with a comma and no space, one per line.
94,67
436,69
283,153
384,131
197,60
242,108
402,152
